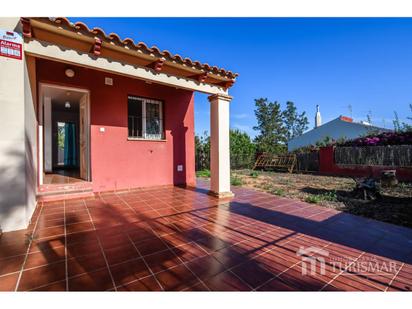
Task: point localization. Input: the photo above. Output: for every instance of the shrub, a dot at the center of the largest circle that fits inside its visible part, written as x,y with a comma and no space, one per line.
267,186
329,196
317,198
254,174
235,181
314,199
242,150
279,192
203,173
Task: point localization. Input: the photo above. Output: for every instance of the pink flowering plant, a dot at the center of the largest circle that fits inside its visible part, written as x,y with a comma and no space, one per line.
382,139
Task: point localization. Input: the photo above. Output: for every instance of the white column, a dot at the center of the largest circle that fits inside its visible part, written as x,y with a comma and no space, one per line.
219,146
47,120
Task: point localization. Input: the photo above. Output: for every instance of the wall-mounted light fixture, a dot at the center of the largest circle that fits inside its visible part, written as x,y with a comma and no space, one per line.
69,73
67,104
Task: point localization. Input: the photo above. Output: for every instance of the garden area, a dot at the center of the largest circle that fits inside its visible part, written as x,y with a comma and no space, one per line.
308,182
394,205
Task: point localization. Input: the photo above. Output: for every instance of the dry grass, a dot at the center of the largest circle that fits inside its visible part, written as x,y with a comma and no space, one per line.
395,206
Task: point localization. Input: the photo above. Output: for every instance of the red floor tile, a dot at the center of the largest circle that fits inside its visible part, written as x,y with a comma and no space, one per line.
226,282
276,284
129,271
193,242
150,246
59,286
12,249
252,273
99,280
85,264
176,278
45,257
206,267
162,260
189,252
121,254
8,282
41,276
145,284
11,264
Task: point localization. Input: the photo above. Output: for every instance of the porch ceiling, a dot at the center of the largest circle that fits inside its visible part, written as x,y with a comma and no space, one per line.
79,37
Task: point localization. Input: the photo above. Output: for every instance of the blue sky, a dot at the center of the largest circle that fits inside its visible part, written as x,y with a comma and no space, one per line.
365,63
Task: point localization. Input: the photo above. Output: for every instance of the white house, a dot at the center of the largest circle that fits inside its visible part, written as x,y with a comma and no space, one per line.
341,127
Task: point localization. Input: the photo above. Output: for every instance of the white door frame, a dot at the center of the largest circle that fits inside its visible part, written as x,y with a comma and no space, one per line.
41,128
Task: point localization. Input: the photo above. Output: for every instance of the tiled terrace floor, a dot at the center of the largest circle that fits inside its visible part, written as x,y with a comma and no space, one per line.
182,239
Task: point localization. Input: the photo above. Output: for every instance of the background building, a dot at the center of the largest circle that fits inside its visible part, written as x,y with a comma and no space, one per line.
341,127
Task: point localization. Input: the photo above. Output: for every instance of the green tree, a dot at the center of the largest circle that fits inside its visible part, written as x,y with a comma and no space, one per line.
406,126
326,141
202,152
402,126
242,150
369,117
396,122
271,137
60,136
295,124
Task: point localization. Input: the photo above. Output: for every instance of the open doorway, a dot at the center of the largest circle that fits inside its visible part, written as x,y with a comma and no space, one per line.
63,135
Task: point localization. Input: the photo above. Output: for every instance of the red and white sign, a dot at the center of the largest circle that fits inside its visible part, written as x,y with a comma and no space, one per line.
10,45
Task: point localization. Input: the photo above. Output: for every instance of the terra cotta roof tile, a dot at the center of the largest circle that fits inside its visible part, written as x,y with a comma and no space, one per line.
115,38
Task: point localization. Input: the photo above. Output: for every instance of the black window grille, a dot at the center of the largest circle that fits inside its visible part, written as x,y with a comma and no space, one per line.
145,118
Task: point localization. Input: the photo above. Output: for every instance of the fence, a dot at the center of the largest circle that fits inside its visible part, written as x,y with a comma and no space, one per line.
391,156
308,161
356,162
239,161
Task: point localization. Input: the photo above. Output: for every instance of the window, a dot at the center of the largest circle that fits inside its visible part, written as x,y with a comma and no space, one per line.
145,118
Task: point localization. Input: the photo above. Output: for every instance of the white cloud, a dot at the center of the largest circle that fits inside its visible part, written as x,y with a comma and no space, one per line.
239,116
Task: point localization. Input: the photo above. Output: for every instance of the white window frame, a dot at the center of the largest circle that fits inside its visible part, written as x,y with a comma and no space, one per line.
146,136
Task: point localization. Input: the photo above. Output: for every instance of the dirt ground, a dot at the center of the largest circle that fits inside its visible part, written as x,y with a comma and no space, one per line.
395,205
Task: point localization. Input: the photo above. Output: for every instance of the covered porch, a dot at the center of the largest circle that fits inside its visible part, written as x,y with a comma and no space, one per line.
54,45
125,113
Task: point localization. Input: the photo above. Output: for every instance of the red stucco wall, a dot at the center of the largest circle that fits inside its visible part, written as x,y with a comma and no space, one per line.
327,166
116,162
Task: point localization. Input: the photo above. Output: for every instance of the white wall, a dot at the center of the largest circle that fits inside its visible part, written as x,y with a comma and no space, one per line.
334,129
17,198
30,122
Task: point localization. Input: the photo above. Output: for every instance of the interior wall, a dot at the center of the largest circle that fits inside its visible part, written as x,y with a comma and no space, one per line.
116,161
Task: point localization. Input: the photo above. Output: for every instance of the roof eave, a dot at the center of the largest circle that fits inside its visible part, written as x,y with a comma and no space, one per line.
112,42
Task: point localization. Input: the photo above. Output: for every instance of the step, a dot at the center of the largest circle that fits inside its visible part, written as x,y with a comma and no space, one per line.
65,187
65,195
